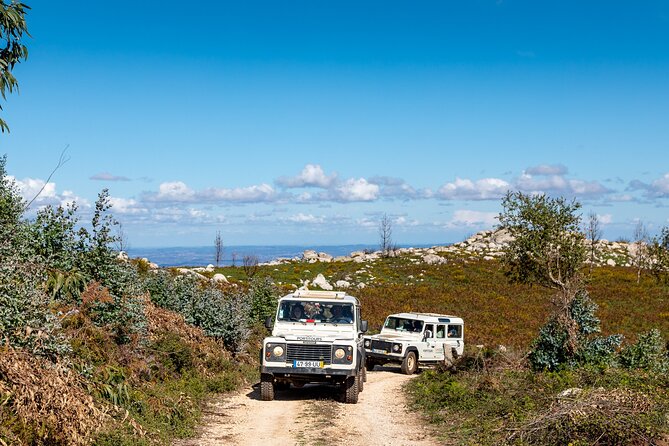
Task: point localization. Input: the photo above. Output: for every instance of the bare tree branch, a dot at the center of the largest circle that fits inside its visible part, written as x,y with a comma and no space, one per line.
61,161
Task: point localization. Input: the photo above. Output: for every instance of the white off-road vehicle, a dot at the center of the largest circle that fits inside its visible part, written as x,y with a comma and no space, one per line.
316,337
411,339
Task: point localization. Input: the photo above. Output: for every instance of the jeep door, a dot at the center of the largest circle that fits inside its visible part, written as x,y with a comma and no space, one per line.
433,350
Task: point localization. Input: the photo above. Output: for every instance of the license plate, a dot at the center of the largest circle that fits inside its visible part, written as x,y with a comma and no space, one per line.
378,350
310,364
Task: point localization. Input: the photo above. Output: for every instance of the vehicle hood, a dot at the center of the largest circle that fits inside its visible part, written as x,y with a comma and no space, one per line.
306,332
396,337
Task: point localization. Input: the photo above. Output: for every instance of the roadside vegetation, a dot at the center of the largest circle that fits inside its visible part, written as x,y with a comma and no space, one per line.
94,349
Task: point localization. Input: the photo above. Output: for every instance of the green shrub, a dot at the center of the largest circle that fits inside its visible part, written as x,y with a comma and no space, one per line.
264,297
551,349
648,353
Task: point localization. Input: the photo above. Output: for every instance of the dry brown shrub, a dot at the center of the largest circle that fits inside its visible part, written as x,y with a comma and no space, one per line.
95,293
598,416
161,321
48,397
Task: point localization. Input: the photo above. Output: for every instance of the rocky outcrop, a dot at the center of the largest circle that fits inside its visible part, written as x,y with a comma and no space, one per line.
321,282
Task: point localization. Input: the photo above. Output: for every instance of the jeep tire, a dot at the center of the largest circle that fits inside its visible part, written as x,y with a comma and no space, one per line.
361,380
370,364
350,389
409,364
266,387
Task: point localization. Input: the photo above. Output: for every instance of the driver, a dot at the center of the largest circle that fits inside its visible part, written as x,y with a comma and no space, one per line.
338,315
297,313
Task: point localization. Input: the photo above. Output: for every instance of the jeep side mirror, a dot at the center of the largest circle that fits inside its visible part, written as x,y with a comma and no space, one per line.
268,322
428,334
363,326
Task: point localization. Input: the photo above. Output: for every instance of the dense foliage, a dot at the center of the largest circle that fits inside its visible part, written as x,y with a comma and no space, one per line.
107,328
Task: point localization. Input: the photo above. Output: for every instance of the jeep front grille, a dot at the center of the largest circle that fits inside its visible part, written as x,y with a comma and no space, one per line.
382,345
309,352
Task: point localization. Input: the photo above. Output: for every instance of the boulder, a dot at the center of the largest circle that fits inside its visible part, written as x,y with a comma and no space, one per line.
220,278
309,254
122,256
611,262
321,282
209,268
433,259
342,284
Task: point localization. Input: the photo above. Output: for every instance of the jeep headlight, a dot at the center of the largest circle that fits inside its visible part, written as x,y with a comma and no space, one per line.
275,352
397,348
342,354
368,343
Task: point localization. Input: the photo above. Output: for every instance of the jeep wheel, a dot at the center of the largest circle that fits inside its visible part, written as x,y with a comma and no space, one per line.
364,374
266,387
370,364
361,380
350,388
409,364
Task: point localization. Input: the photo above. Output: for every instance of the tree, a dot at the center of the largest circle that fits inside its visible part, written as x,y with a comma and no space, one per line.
593,232
385,235
12,29
640,254
659,256
218,246
250,265
547,249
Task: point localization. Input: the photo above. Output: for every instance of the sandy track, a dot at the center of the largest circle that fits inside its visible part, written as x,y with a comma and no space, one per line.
313,416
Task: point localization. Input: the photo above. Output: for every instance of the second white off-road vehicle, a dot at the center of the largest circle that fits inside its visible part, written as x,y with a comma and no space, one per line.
411,339
316,337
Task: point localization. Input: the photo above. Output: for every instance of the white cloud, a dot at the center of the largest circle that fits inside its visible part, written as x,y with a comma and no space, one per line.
465,217
465,189
605,219
311,176
559,185
30,187
660,187
304,218
179,192
547,169
356,190
126,206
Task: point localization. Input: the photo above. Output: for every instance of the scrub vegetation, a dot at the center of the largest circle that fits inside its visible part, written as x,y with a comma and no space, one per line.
94,349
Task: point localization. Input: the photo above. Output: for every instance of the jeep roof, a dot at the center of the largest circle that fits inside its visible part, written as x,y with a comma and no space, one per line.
301,295
430,317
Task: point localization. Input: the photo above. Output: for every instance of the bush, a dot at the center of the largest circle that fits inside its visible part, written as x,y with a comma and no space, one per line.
648,353
264,299
551,349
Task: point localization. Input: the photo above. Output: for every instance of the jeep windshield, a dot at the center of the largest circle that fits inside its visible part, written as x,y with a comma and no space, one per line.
316,312
403,325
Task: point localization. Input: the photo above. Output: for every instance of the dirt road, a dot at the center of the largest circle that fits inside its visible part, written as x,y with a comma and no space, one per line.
312,416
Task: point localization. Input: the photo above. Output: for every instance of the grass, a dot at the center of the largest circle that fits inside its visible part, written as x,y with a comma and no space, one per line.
495,312
500,403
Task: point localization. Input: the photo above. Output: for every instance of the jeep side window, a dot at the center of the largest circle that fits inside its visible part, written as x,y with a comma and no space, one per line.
430,328
455,331
441,331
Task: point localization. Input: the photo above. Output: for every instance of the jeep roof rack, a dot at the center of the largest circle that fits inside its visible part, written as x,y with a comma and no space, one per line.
320,294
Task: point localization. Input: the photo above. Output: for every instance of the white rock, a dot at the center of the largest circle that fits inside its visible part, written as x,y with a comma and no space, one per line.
122,256
342,284
361,285
209,268
153,265
488,258
309,254
433,259
342,259
321,282
357,254
611,262
218,277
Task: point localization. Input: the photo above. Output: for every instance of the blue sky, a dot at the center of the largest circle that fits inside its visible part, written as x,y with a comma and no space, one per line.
303,122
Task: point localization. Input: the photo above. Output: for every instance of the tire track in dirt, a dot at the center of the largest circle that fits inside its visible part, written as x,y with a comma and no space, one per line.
313,416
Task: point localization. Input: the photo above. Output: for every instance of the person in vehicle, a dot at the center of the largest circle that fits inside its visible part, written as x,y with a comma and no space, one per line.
339,315
297,313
